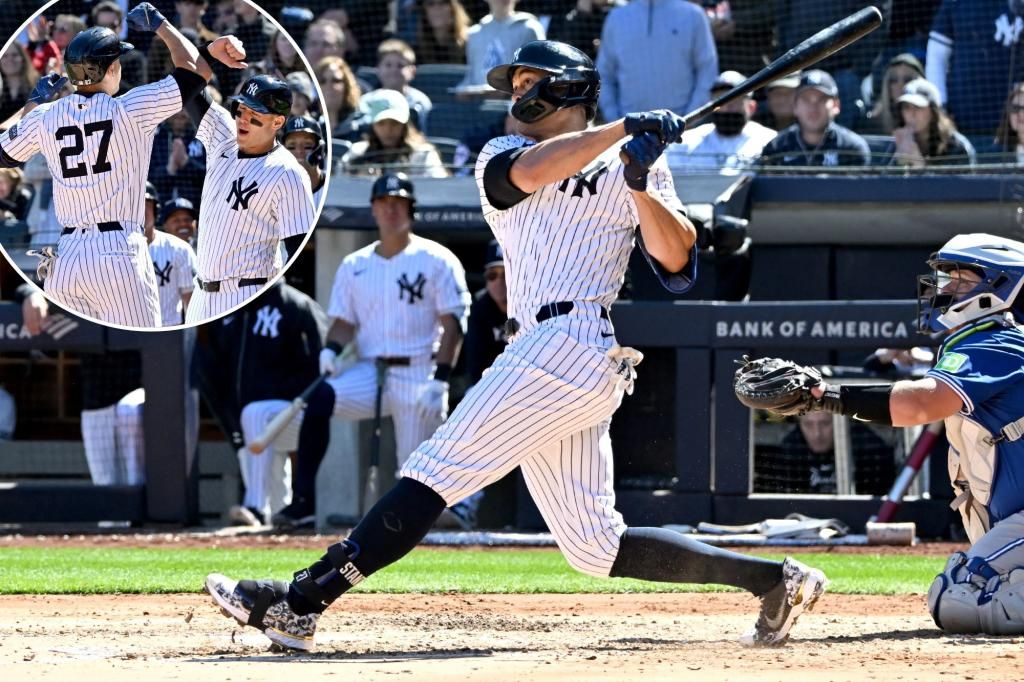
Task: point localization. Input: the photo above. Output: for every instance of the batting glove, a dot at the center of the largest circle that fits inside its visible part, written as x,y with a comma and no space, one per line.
665,124
643,150
328,362
145,17
46,88
432,402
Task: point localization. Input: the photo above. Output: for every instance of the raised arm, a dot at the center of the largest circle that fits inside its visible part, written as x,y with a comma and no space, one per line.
184,55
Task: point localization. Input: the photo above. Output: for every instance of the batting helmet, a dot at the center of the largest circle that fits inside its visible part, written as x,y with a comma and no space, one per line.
394,185
301,124
573,80
151,193
264,95
179,204
89,54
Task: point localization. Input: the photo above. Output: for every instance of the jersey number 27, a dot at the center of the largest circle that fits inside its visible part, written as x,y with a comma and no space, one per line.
77,146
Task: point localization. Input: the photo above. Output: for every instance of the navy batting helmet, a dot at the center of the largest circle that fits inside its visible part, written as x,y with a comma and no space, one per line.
264,95
394,185
89,54
151,193
573,80
302,124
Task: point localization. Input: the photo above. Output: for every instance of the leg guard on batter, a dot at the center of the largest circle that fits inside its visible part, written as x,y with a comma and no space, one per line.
971,597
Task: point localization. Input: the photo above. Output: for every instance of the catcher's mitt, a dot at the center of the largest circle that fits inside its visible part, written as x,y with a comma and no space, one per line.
779,386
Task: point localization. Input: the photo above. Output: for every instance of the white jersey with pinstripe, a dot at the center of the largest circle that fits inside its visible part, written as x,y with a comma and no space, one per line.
174,263
97,149
396,305
546,403
249,204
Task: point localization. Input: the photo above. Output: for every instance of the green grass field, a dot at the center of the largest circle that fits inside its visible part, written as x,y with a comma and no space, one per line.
147,571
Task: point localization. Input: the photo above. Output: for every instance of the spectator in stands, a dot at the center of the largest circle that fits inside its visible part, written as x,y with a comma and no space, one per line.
396,67
323,39
806,461
133,64
178,162
729,143
902,69
485,333
442,30
1009,143
253,30
974,52
341,98
281,59
365,23
581,25
780,97
45,54
906,32
656,55
188,15
391,143
15,198
926,136
495,38
475,139
816,139
303,93
66,27
19,77
744,33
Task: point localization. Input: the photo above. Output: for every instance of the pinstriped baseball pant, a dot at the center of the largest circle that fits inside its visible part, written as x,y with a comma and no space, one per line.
545,405
267,476
206,305
113,441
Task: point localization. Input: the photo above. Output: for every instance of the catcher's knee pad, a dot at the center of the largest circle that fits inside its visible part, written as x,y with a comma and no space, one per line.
1001,605
970,596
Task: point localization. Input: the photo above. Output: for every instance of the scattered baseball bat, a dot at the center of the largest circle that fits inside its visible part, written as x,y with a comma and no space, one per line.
371,493
918,455
811,51
276,425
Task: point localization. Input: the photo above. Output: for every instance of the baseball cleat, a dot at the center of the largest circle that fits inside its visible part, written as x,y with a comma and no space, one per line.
299,514
244,516
800,588
263,605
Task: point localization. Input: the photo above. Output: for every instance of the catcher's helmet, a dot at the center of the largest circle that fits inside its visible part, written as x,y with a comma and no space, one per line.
265,95
89,54
998,262
573,80
394,185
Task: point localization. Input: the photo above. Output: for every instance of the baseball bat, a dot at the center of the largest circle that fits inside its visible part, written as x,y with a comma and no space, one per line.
372,490
811,51
276,425
913,465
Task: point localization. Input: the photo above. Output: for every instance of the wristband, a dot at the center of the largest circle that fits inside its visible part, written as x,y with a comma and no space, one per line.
334,346
442,371
862,402
204,52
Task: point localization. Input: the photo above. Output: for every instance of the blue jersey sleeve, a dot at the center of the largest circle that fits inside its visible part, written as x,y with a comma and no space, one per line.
981,366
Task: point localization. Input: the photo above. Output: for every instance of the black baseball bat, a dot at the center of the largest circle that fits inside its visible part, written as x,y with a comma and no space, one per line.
811,51
371,493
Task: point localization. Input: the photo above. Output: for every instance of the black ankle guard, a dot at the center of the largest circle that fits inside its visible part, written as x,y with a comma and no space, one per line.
330,577
862,402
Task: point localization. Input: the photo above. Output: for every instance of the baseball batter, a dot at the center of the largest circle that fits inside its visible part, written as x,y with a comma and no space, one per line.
174,263
566,211
97,148
255,196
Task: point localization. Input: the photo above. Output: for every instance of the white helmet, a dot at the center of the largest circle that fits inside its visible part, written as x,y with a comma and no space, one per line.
998,261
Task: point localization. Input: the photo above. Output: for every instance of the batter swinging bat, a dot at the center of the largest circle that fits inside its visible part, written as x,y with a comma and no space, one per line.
811,51
372,491
283,418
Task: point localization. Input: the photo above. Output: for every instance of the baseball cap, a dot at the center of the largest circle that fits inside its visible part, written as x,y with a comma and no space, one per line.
907,59
495,256
920,93
727,80
301,84
179,204
381,105
820,81
792,81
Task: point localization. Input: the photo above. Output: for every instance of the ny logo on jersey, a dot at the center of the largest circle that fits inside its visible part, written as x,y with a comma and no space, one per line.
414,288
241,195
267,319
585,178
164,273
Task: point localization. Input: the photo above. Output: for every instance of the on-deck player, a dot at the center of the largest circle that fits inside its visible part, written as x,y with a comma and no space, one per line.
255,196
174,263
565,210
97,148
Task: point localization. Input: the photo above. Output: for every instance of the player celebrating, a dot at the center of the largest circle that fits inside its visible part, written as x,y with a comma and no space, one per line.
565,209
255,195
97,148
174,263
974,298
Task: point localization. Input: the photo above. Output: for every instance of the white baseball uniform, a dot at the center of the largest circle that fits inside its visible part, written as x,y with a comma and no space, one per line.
97,149
174,263
396,305
250,203
112,437
546,403
267,476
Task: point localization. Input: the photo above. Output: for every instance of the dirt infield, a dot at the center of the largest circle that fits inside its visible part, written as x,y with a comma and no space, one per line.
524,638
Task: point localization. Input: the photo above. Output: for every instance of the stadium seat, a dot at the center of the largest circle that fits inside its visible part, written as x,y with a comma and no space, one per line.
882,147
437,80
445,147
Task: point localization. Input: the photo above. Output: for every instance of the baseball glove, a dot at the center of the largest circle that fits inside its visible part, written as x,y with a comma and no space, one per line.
779,386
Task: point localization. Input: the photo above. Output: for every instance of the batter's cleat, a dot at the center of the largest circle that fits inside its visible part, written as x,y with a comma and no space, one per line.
263,604
298,514
800,588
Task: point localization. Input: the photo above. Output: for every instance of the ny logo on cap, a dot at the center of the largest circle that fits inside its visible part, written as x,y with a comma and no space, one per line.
393,183
253,88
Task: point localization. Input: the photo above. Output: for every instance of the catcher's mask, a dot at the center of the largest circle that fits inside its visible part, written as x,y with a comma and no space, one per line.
973,276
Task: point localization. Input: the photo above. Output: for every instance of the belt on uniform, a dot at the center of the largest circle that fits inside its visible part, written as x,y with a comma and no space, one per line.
393,362
549,310
213,287
113,226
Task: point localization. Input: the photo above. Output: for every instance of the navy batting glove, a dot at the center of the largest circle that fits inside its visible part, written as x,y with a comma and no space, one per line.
46,87
145,17
643,150
663,123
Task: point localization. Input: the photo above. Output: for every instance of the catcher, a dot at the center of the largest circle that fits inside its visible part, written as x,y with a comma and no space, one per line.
977,386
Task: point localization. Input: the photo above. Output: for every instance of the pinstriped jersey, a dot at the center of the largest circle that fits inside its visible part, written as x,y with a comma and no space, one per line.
174,263
396,303
569,240
97,149
249,204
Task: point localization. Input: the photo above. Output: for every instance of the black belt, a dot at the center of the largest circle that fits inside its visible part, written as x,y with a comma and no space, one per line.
213,287
549,310
393,362
113,226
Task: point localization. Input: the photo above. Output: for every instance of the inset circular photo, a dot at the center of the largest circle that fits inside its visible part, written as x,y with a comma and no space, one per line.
157,170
